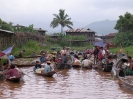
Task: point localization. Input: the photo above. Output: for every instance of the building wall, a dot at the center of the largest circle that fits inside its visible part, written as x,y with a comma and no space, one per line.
90,36
107,39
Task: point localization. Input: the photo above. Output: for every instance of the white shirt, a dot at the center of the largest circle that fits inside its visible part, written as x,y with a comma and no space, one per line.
103,52
86,62
63,52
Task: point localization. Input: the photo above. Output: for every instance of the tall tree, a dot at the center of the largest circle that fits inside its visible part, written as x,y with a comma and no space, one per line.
61,19
125,23
125,31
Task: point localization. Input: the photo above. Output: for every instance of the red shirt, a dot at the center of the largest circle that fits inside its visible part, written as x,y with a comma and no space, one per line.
13,72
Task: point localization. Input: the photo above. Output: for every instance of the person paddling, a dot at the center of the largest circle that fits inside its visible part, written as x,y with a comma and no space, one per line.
47,68
43,58
12,73
37,66
11,58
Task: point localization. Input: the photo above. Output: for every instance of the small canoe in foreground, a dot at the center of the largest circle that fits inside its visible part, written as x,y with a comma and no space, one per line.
127,81
50,74
14,79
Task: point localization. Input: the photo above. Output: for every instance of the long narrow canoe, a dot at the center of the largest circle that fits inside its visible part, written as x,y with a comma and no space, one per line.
50,74
24,65
28,56
88,67
76,66
127,81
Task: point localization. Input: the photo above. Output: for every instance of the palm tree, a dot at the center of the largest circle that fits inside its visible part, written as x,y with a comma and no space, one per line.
61,19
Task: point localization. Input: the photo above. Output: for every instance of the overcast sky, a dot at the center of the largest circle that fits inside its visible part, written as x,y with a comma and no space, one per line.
85,11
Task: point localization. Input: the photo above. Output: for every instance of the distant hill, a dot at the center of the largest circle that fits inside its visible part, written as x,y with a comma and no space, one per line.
100,27
103,27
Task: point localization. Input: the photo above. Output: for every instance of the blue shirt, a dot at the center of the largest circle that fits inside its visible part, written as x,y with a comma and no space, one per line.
11,57
42,59
37,66
47,69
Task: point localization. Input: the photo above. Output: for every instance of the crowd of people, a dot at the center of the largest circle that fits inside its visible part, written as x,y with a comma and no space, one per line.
66,58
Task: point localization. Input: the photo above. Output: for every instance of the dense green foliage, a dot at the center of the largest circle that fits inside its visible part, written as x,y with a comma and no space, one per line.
30,47
125,30
30,29
9,26
61,19
6,26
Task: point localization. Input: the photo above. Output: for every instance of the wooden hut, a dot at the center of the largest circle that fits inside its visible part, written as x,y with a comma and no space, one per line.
108,38
89,34
6,38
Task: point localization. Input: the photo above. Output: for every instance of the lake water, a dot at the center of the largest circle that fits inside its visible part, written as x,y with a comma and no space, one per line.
66,84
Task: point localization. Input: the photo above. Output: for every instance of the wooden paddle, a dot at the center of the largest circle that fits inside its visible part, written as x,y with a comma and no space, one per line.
25,73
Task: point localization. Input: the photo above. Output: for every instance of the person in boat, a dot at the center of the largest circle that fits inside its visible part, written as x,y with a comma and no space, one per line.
86,63
33,54
21,53
129,70
47,68
63,51
12,73
11,58
76,61
121,52
43,58
38,65
63,61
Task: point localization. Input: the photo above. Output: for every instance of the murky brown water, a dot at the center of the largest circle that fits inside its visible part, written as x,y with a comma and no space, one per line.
68,84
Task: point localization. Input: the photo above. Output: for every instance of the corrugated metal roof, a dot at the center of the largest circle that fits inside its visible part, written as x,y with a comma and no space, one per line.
111,34
6,31
39,29
79,30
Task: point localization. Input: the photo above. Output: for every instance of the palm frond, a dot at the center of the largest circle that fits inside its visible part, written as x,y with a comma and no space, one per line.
56,16
69,26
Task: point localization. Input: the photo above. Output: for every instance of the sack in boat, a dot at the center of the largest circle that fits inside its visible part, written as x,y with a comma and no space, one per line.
39,70
77,62
12,77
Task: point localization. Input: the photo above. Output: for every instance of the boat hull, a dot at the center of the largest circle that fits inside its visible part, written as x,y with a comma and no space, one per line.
50,74
126,82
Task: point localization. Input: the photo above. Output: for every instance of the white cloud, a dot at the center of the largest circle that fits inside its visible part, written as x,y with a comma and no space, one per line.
86,11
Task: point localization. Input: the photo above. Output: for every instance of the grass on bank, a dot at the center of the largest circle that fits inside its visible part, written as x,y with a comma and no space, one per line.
125,49
33,46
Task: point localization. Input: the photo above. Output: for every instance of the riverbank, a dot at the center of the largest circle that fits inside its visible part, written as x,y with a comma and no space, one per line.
125,49
33,46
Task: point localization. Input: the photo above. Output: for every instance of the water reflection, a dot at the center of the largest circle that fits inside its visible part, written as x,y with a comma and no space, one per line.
66,84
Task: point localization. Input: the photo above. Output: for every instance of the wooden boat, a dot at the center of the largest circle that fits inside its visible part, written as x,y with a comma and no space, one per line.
25,65
14,79
28,56
88,67
127,81
50,74
76,66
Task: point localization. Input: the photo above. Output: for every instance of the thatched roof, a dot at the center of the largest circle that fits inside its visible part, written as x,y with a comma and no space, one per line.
29,35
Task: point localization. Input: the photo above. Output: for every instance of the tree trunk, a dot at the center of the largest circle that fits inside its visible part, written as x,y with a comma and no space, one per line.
61,29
